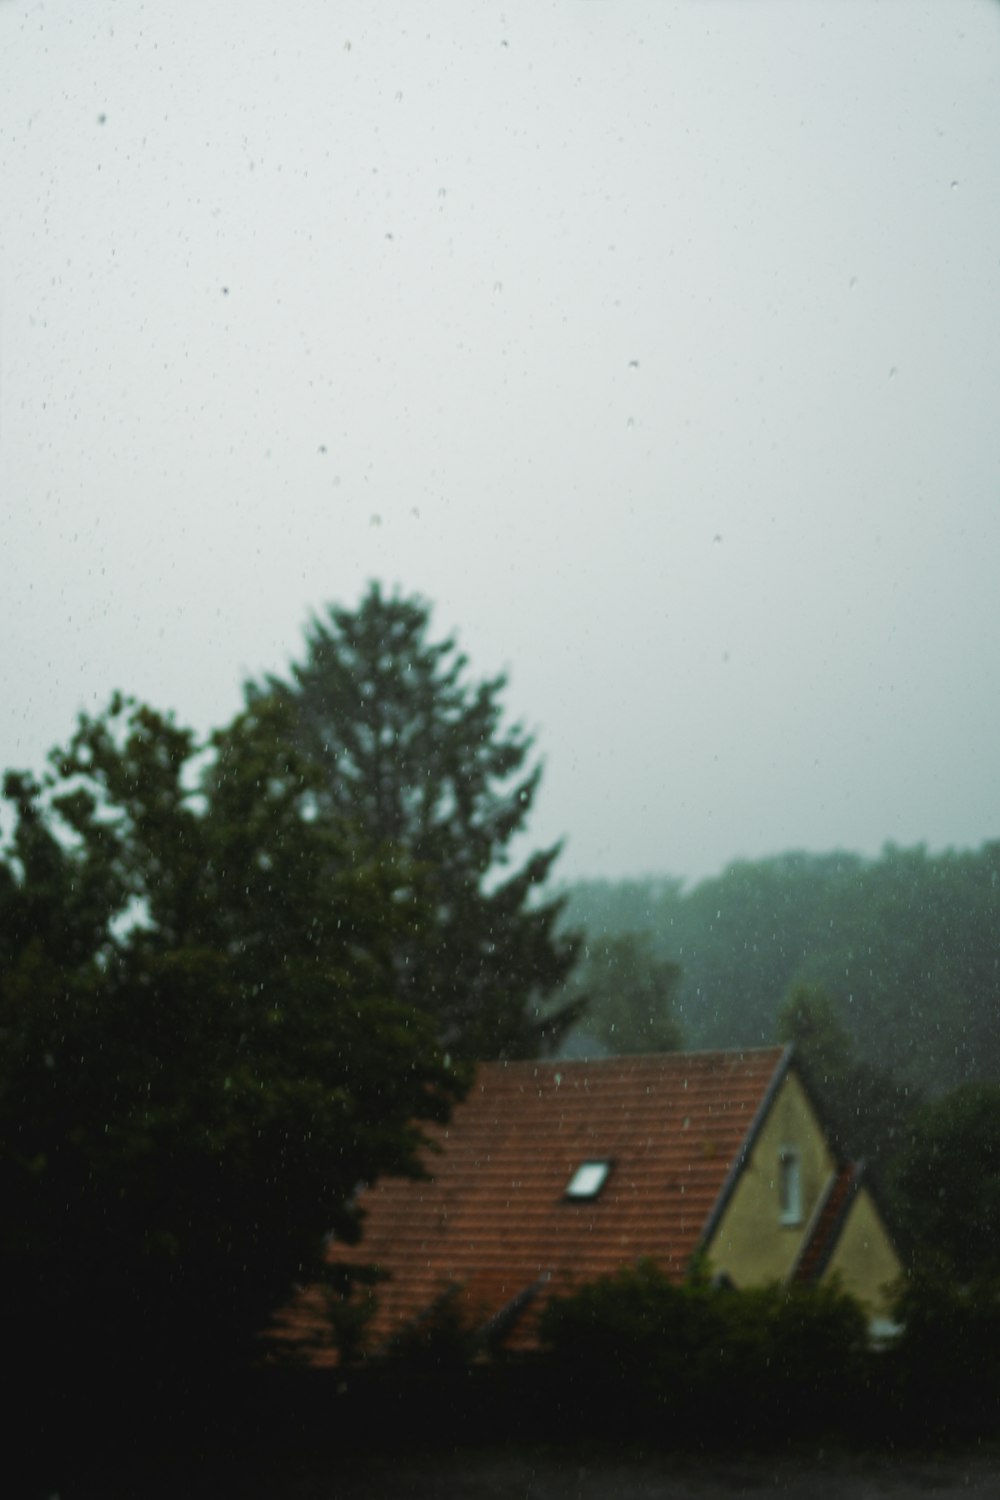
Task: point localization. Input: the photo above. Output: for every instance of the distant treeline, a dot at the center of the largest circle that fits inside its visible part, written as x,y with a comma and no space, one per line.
905,946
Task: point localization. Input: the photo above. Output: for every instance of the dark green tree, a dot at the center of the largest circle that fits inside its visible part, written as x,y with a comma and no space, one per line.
868,1107
809,1019
946,1182
199,1056
647,1354
629,993
420,765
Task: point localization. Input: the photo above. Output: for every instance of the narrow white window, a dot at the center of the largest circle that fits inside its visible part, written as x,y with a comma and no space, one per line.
789,1186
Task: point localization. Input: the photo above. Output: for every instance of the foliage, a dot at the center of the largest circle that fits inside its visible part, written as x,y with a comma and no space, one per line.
947,1181
646,1343
866,1106
442,1339
945,1366
809,1019
903,945
419,764
199,1058
629,992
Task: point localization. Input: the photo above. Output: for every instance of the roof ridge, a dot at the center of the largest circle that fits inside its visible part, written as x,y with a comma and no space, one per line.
576,1064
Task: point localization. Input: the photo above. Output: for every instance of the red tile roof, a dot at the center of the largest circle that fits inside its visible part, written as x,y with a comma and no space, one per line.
494,1223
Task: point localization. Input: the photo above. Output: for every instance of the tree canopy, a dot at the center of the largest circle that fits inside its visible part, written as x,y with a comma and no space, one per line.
629,993
868,1107
903,945
947,1181
417,761
201,1055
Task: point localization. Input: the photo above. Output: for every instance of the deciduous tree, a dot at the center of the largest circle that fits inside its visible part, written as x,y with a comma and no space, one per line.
200,1058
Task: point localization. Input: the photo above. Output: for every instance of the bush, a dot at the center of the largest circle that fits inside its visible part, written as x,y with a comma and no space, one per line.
694,1357
946,1363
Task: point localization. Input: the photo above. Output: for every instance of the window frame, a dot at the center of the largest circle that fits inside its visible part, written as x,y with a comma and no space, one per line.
583,1193
789,1186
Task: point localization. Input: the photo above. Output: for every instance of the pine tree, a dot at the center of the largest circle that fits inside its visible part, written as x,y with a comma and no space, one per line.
419,764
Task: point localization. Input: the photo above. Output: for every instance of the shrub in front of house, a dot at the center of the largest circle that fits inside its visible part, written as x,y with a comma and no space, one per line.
641,1352
944,1369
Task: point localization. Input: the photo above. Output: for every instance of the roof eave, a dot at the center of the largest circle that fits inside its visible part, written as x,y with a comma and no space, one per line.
840,1219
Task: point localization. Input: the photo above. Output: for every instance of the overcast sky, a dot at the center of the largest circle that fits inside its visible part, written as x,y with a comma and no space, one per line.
656,344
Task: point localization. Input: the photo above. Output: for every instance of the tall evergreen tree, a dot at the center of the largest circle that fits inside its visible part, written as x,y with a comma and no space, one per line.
420,765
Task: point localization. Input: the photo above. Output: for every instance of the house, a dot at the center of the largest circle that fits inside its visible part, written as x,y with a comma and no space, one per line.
553,1173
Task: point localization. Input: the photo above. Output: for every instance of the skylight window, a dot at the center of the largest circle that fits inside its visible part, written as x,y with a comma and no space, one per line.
588,1179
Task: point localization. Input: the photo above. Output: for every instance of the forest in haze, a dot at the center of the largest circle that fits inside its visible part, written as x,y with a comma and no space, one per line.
902,947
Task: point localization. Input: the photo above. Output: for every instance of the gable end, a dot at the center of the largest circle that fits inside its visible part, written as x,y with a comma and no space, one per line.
743,1155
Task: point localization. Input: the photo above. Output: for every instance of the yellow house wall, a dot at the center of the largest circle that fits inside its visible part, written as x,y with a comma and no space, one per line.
863,1257
750,1244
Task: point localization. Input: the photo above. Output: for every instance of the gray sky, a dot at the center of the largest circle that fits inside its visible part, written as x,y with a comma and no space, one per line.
657,344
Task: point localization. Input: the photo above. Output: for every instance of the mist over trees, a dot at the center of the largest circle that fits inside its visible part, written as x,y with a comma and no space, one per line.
625,993
904,946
